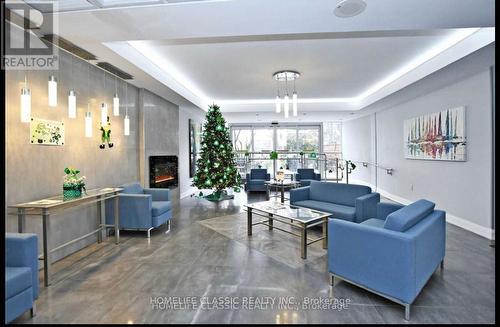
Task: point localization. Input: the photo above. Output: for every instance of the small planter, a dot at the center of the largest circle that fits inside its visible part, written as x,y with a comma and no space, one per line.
71,192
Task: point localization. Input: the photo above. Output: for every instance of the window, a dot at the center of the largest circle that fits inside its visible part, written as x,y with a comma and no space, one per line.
242,140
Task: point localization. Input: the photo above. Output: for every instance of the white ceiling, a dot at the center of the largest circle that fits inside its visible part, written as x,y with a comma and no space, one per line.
201,51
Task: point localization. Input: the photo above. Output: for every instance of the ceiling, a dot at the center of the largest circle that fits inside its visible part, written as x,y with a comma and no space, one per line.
196,52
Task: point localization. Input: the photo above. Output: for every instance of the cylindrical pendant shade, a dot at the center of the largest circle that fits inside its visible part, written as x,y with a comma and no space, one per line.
72,104
294,104
88,124
52,91
104,114
126,125
278,104
287,106
116,105
25,105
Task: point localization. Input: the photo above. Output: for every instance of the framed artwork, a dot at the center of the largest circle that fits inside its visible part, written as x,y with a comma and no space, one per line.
436,136
46,132
195,130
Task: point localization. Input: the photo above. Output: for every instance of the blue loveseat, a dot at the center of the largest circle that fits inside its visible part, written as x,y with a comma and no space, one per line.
392,254
21,274
141,208
345,201
306,175
256,180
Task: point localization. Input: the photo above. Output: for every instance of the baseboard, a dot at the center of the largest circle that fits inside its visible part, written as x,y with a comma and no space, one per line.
452,219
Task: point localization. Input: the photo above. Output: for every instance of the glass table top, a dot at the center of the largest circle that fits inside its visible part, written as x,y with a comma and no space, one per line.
60,200
287,211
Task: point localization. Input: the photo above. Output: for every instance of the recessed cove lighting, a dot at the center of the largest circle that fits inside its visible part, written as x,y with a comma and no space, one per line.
349,8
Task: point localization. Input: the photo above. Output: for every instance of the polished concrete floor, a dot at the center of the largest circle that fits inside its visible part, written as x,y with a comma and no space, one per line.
207,257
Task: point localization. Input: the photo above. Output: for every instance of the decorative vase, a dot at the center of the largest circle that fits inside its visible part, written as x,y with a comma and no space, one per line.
71,192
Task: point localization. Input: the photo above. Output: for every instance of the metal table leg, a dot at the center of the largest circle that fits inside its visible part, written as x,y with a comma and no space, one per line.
249,221
268,196
46,251
21,220
101,213
303,241
270,221
282,194
117,219
325,233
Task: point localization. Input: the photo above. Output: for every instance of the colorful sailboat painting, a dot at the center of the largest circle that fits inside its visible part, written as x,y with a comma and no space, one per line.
437,136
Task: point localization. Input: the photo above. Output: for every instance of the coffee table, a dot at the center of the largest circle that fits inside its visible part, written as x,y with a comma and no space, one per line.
298,217
281,186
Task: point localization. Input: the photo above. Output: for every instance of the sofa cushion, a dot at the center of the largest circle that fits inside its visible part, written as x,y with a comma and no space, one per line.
306,173
404,218
337,210
132,188
159,207
338,193
17,279
258,174
374,222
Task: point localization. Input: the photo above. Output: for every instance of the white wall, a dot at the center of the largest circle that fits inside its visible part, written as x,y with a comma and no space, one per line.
462,189
186,113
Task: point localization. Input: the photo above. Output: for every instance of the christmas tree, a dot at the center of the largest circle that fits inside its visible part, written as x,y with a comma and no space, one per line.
216,166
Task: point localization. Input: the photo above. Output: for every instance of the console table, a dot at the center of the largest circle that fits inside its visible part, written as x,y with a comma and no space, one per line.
46,207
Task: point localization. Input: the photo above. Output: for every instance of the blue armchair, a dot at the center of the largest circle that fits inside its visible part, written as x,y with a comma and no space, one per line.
345,201
392,254
21,274
141,208
306,175
256,180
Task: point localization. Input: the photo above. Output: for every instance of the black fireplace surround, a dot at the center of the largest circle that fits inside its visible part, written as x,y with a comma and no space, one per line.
163,171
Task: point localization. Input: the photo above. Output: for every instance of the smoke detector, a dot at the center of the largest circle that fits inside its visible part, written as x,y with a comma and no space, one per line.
349,8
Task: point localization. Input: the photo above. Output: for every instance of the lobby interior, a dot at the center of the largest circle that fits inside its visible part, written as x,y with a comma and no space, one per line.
144,144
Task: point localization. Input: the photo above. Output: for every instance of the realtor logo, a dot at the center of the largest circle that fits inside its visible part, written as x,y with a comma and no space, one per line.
24,26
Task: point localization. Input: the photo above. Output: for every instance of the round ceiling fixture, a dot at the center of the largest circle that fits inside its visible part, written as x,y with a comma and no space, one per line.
349,8
286,75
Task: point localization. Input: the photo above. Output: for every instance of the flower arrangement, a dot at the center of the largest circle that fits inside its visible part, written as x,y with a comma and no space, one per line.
73,184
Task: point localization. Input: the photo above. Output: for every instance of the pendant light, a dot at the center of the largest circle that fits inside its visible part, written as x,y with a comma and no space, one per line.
116,101
287,105
72,97
52,91
104,114
294,100
88,122
278,99
126,120
25,102
88,114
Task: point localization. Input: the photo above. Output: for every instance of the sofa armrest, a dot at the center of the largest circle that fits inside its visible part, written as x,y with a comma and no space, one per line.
21,250
158,194
296,177
317,177
299,194
384,209
377,258
268,177
366,206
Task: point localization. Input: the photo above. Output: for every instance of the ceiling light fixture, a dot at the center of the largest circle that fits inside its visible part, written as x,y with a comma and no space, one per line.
52,91
285,76
116,100
349,8
72,97
25,102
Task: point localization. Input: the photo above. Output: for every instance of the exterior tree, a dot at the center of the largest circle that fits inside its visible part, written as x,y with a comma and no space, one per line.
216,165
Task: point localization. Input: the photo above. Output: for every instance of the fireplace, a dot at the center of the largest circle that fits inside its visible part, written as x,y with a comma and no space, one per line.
163,171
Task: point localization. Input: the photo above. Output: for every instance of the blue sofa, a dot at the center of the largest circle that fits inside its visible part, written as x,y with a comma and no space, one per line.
141,208
21,274
392,254
256,180
350,202
306,175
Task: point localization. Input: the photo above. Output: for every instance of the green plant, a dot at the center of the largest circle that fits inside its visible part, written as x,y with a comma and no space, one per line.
72,180
273,155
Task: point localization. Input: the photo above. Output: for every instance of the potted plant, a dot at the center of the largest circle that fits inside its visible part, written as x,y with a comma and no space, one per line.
273,155
73,184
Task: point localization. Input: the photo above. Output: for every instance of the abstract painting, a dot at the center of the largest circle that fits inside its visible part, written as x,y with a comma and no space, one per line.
46,132
195,130
436,136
